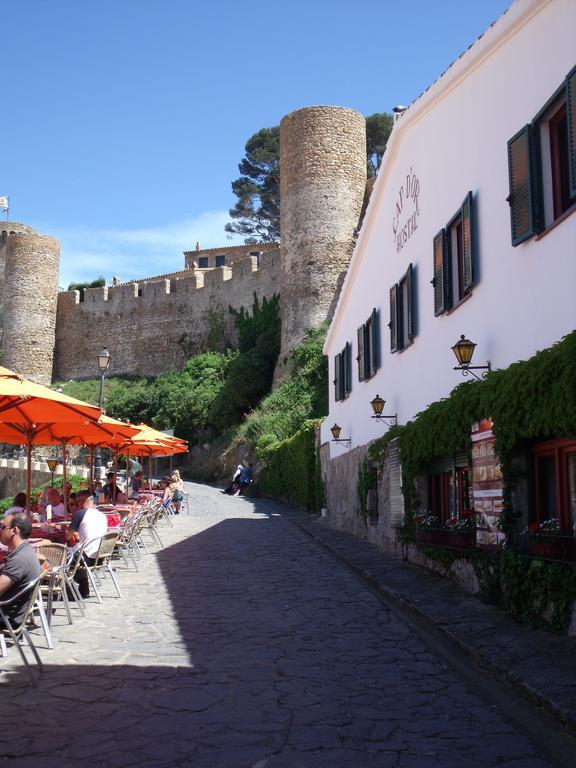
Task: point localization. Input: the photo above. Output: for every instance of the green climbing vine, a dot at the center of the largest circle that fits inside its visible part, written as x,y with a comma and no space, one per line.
532,399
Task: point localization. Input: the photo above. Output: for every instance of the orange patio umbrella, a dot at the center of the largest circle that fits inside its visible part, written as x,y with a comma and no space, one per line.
27,409
151,442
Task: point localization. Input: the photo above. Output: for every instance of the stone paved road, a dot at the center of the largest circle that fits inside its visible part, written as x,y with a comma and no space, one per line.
242,644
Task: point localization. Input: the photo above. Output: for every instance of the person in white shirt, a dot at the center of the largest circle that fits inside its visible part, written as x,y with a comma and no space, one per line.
53,506
88,525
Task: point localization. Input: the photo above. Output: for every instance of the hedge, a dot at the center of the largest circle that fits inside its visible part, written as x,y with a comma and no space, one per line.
291,471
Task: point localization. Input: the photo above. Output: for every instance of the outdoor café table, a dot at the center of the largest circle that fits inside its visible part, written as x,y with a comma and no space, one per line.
114,514
50,533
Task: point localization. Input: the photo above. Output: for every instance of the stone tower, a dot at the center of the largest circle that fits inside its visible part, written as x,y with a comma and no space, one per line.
30,292
8,228
322,186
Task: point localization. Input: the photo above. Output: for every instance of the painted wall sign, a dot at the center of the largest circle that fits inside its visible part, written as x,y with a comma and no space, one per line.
406,210
487,484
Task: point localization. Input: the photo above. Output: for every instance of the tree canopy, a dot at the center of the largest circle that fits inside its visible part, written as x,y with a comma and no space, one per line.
257,212
378,129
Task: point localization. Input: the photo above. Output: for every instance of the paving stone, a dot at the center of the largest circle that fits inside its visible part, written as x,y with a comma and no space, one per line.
243,644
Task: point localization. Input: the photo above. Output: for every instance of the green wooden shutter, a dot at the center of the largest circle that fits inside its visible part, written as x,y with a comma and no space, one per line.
337,392
400,310
347,354
441,280
521,170
467,243
393,324
571,113
375,339
410,307
360,357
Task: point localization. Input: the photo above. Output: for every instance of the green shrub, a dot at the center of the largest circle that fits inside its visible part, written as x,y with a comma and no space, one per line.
291,469
303,396
76,481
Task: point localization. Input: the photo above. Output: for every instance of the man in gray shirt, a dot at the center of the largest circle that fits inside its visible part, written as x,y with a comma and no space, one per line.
21,564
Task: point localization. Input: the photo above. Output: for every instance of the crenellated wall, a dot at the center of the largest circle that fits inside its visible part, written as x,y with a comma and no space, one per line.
155,326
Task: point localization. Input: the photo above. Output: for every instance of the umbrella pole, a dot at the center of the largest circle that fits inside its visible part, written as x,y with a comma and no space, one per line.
64,494
115,455
150,471
127,477
29,474
91,469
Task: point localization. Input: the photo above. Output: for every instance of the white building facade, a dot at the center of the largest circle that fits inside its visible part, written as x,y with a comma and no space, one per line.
470,229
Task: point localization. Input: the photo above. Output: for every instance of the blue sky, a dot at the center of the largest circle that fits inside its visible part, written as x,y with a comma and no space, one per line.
123,121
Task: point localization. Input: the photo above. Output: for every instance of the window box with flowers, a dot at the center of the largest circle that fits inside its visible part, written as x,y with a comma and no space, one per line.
545,540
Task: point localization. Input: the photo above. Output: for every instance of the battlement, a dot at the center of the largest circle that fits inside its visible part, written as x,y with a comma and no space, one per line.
226,279
154,325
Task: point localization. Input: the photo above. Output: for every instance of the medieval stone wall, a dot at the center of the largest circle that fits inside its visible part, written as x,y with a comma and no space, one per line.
153,327
31,267
322,187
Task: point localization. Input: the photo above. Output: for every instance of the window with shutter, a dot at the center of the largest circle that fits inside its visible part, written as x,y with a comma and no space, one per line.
393,325
454,258
347,355
542,165
410,304
439,280
337,379
571,126
467,245
521,178
402,311
374,341
368,347
360,358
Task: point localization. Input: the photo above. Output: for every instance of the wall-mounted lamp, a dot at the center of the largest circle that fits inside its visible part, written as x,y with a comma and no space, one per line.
378,407
336,436
463,350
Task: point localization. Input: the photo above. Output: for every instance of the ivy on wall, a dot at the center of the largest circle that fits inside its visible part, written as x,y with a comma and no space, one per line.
529,400
291,471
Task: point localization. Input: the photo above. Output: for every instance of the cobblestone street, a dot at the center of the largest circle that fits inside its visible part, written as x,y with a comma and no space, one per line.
243,644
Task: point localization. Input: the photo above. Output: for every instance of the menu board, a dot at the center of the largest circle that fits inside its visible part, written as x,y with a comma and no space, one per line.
487,484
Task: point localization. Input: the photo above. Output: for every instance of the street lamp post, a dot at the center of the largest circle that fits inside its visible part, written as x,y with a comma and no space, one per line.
52,464
103,365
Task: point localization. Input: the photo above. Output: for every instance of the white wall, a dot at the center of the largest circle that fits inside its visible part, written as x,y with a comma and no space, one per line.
455,138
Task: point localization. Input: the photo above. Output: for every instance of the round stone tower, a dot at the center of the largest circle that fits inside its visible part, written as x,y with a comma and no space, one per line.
9,228
322,186
31,268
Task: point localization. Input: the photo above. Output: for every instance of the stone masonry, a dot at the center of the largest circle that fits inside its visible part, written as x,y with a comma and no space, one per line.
155,326
8,228
322,186
31,267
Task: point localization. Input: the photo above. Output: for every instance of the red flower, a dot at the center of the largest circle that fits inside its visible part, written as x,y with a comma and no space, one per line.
534,528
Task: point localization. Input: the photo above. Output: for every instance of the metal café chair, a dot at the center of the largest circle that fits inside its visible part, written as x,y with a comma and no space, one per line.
53,583
101,563
18,631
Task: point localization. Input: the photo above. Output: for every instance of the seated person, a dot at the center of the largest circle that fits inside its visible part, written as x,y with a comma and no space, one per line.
136,483
87,524
246,477
72,503
21,564
19,504
174,490
111,490
52,506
